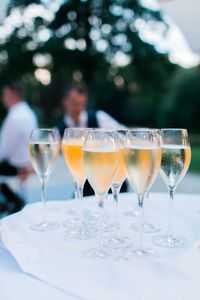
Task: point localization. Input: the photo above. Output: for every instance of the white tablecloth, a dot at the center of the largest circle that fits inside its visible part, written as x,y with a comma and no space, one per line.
16,285
175,275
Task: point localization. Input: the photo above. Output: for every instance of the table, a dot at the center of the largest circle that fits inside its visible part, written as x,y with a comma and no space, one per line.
14,284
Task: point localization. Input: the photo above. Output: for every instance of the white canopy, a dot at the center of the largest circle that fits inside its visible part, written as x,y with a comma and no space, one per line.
4,4
186,14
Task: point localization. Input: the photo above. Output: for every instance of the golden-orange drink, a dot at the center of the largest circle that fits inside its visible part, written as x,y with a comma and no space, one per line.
73,153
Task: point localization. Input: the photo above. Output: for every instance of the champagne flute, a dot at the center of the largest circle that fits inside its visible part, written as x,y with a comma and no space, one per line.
118,241
44,151
101,159
148,227
72,148
176,157
134,212
142,160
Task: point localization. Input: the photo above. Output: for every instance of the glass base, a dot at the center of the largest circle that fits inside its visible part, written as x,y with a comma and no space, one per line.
99,253
72,212
146,228
75,215
90,215
110,227
71,222
140,251
44,226
80,233
169,241
117,242
132,213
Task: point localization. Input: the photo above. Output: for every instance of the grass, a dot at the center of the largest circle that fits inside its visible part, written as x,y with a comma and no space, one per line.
195,162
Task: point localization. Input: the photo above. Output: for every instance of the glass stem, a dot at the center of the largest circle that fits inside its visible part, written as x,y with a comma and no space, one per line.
170,212
145,211
116,198
81,203
79,198
76,191
44,199
101,218
141,216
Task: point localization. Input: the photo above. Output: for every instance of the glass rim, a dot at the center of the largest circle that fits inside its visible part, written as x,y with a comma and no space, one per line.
51,131
173,129
90,129
143,130
43,129
75,129
138,128
111,133
121,130
100,130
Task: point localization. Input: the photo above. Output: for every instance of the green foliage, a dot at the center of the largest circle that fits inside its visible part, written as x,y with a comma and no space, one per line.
182,107
195,162
98,32
15,3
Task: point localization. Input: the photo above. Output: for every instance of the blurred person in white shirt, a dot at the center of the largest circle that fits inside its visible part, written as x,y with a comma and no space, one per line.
14,139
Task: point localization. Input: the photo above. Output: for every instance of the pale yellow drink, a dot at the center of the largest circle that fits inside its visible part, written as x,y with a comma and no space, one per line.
142,165
175,163
101,166
43,156
120,175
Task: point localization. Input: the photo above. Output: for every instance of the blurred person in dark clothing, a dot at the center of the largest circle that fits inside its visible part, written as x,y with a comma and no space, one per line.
14,139
76,114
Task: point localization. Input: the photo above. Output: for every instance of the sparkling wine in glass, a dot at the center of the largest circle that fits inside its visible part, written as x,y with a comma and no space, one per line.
44,150
142,160
101,159
72,149
134,212
148,227
176,157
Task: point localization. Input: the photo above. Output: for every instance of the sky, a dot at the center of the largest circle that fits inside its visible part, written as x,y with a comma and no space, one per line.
173,42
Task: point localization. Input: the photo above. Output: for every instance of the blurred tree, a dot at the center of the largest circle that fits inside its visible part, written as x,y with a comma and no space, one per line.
182,107
50,43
